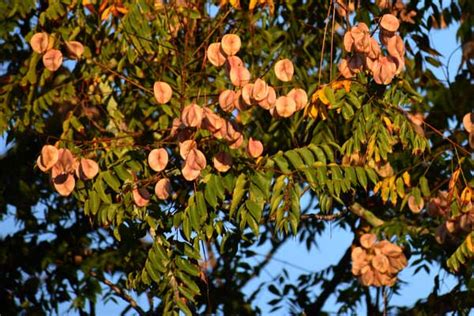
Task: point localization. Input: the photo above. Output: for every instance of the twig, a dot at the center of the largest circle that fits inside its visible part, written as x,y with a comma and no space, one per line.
324,42
120,292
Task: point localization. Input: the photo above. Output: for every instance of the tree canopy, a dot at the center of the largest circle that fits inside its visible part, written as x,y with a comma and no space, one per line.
159,141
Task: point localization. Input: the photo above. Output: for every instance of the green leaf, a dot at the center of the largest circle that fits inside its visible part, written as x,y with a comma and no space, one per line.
362,176
425,190
239,191
111,180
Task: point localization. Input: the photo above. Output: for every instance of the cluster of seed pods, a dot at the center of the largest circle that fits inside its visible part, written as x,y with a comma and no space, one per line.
257,93
377,263
195,117
63,166
366,53
43,43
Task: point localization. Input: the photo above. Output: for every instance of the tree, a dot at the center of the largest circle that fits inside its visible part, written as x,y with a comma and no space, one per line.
231,113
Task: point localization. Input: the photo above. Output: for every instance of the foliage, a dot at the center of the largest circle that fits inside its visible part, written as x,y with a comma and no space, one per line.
131,93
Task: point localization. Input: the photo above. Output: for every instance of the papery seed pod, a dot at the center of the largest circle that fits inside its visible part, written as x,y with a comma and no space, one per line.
300,97
285,106
226,100
191,116
468,122
247,92
237,142
215,55
416,118
260,90
348,41
141,196
398,263
415,207
368,240
230,44
75,48
40,42
380,263
211,121
158,159
163,188
87,169
239,76
389,23
162,92
186,146
254,148
222,161
48,158
196,159
189,173
64,184
344,69
53,59
66,163
374,49
284,70
234,62
395,46
361,36
384,170
269,101
367,276
239,102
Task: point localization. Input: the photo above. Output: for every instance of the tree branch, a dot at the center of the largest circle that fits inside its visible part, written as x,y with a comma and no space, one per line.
441,305
364,213
330,287
120,292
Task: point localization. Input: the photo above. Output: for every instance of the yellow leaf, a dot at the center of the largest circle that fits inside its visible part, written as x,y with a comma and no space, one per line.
466,195
378,186
346,84
469,243
312,111
252,4
235,4
105,15
454,179
406,178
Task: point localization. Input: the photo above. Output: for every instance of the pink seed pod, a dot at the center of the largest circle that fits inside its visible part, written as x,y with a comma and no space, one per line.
64,184
75,49
40,42
87,169
415,207
284,70
141,197
300,97
285,106
226,100
231,44
368,240
254,148
186,146
260,90
389,23
158,159
269,102
191,116
247,92
163,189
222,161
48,157
239,76
53,59
215,55
162,92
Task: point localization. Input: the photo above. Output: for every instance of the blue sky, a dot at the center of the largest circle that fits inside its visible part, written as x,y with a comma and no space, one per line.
295,258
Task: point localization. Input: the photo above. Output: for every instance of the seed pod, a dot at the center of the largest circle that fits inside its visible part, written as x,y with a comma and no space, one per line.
230,44
285,106
64,184
415,207
284,70
226,100
222,161
66,163
389,23
367,240
215,55
348,41
260,90
468,122
48,158
247,92
239,140
158,159
75,48
141,197
196,159
87,169
300,97
163,188
269,101
52,60
254,148
185,147
380,263
234,62
39,42
190,174
162,92
239,76
211,121
191,116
